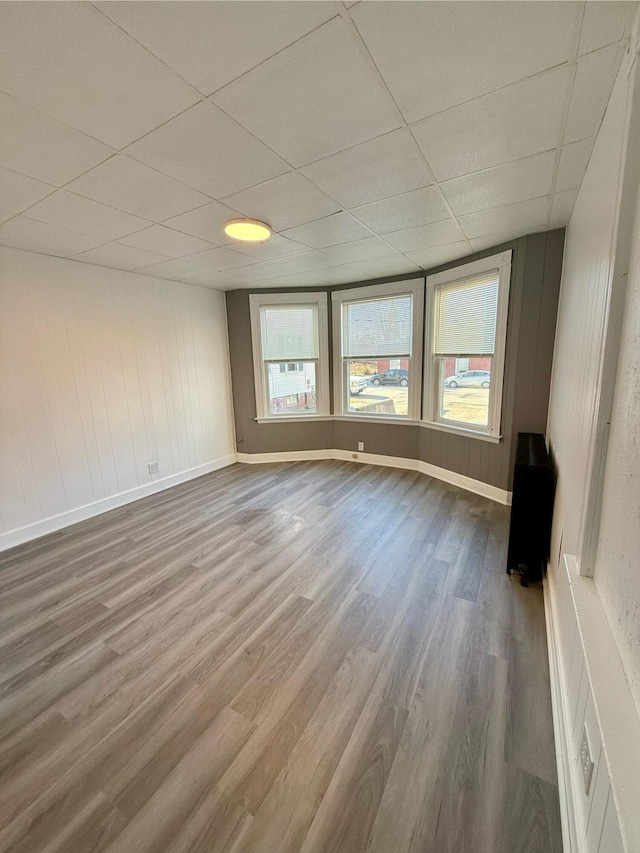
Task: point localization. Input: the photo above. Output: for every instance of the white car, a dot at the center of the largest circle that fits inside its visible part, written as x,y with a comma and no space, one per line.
469,379
357,384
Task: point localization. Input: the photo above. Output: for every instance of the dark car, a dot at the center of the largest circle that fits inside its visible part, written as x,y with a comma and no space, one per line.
395,376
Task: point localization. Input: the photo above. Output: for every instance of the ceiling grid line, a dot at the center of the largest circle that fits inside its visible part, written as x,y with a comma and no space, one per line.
364,49
573,65
496,196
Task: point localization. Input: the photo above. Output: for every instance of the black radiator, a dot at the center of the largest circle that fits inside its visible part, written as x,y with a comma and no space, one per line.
532,508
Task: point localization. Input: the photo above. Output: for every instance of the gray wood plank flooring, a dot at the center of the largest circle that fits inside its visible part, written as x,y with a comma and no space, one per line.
319,657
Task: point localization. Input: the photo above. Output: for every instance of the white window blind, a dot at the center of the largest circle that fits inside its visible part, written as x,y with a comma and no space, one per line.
378,328
289,332
465,317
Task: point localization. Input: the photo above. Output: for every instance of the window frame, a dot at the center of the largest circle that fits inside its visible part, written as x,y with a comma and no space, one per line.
431,417
256,302
415,287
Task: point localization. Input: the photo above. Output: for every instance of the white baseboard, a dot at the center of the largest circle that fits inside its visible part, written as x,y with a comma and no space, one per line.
49,525
288,456
460,480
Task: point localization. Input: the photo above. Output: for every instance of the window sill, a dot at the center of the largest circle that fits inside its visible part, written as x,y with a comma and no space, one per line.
375,419
288,419
371,419
456,430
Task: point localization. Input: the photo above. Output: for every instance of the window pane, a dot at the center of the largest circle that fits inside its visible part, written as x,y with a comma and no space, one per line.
292,388
289,332
464,395
377,327
465,316
378,389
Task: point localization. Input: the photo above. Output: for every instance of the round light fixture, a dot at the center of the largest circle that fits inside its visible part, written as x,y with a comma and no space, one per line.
247,230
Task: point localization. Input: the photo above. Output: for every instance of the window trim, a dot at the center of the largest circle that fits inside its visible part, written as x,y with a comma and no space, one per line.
256,302
415,287
501,262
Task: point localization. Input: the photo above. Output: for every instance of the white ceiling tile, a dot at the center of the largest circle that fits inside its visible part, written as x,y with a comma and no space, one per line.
220,259
275,247
603,23
305,263
24,233
338,228
297,279
360,250
207,150
492,240
436,55
314,98
129,185
512,217
318,278
429,258
591,90
425,236
214,280
69,61
120,257
573,164
34,144
206,222
18,192
283,202
507,184
337,274
419,207
373,170
255,272
300,280
210,44
166,241
85,216
561,208
380,267
177,269
512,123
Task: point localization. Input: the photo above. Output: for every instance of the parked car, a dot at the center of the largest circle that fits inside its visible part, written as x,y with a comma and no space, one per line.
469,379
395,376
357,384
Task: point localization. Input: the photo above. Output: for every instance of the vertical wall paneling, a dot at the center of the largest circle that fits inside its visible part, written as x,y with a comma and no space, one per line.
102,372
594,371
584,304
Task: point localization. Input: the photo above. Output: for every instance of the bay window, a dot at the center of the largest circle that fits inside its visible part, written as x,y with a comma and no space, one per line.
377,334
290,354
465,339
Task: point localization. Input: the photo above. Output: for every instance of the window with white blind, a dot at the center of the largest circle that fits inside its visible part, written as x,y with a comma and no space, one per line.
290,354
377,338
465,344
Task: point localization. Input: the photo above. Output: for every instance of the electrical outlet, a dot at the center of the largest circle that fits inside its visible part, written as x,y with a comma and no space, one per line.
154,467
585,760
361,445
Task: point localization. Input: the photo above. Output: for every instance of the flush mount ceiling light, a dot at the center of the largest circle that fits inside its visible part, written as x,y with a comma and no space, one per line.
247,230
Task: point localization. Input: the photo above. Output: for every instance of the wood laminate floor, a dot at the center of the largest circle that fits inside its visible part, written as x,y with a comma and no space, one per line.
313,657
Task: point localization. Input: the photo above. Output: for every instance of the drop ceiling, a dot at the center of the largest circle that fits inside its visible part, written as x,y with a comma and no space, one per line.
376,138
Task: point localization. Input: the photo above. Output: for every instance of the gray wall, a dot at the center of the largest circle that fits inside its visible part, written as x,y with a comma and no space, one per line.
535,284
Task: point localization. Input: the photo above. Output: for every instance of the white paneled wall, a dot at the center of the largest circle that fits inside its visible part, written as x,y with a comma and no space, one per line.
577,710
588,623
582,314
101,373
